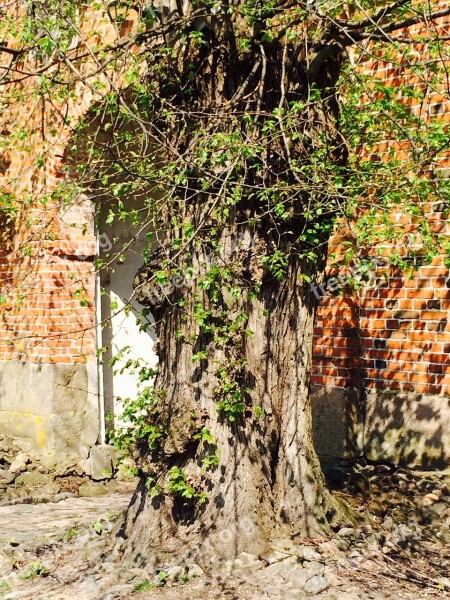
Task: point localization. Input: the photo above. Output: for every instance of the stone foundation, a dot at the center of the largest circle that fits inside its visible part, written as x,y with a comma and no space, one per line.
393,427
51,413
50,410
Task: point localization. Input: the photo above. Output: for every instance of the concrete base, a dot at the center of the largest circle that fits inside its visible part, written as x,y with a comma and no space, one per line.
402,429
336,422
50,411
407,429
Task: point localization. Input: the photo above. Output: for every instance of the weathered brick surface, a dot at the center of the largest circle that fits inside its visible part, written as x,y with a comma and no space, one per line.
47,278
378,343
400,328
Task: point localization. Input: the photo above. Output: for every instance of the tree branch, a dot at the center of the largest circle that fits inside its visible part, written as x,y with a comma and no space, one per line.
11,51
382,30
417,19
383,12
324,53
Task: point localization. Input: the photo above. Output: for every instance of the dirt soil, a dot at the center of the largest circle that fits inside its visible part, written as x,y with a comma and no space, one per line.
68,549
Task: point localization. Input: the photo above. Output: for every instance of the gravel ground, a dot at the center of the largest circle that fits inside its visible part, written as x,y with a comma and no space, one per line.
65,550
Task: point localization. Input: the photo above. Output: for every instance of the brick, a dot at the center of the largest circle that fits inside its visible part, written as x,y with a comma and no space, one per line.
391,304
398,335
427,389
408,356
420,336
436,357
433,315
394,344
394,375
378,354
421,378
392,324
408,387
419,294
393,293
406,314
419,304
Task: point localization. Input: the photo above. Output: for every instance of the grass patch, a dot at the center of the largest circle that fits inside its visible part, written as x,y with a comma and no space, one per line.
34,569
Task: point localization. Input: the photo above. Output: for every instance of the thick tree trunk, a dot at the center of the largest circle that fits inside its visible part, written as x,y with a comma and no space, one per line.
268,480
236,340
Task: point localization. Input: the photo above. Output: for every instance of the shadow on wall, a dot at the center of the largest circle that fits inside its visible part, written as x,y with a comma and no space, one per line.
386,426
123,207
336,417
407,429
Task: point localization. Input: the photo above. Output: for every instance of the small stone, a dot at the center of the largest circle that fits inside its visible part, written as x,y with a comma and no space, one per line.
348,532
19,463
109,567
310,554
444,536
118,591
377,507
113,486
7,475
401,534
370,565
81,540
440,508
444,581
299,577
195,571
430,499
283,545
317,584
341,543
100,464
50,488
62,496
6,565
294,594
110,581
247,557
32,479
329,548
173,573
284,568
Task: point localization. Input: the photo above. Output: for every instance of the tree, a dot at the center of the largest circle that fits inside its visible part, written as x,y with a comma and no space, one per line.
251,127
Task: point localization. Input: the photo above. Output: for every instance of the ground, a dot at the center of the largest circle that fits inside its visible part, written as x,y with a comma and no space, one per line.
67,549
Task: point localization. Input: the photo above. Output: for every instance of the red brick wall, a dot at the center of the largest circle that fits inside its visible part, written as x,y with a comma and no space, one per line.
47,279
395,335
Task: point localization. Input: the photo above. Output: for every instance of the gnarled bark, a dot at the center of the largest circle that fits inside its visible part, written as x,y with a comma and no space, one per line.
268,480
254,343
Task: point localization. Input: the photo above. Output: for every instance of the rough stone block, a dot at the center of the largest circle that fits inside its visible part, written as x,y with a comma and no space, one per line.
335,422
100,464
408,429
49,410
